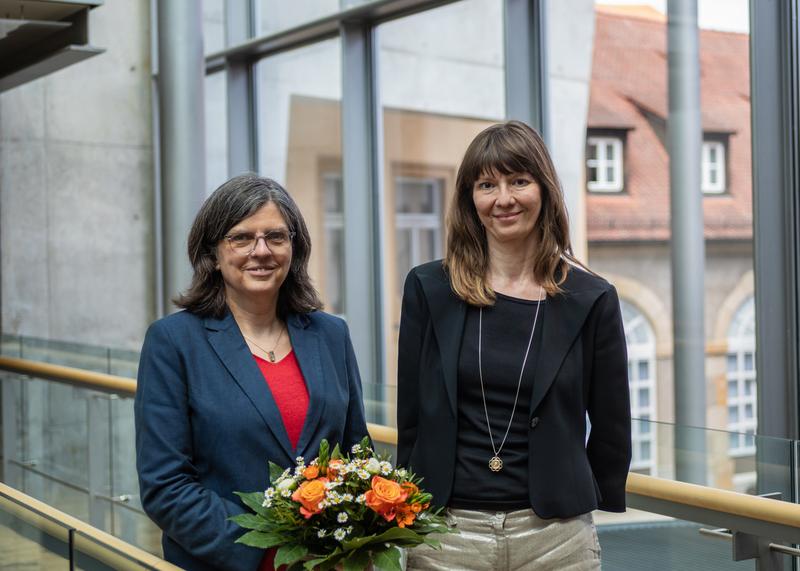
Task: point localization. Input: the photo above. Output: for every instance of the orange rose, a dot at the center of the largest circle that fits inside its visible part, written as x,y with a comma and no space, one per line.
311,472
385,496
309,495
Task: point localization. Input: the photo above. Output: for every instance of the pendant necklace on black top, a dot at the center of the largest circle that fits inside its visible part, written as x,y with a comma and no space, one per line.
495,463
270,354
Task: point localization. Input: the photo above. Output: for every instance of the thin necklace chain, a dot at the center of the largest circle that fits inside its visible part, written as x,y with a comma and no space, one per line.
519,382
280,335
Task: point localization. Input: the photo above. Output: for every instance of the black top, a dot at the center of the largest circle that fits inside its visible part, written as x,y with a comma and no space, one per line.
506,330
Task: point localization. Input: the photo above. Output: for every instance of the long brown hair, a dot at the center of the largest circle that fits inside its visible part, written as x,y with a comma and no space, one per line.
506,148
231,203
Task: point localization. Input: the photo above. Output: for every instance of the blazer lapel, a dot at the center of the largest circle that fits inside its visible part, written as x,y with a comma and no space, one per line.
227,341
564,315
306,345
448,314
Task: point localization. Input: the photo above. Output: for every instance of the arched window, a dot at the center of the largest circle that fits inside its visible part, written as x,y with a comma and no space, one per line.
741,374
641,343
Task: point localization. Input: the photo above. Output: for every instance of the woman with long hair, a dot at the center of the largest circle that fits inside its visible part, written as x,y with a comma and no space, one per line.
505,347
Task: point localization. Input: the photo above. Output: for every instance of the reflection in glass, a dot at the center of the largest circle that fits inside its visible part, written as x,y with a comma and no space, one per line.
439,87
299,130
216,100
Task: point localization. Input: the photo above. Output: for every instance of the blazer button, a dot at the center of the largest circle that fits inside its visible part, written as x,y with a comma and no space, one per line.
534,422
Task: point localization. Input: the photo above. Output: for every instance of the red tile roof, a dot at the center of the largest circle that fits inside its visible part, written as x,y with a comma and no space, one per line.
629,92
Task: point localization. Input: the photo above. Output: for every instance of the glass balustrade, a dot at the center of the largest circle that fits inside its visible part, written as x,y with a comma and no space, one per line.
73,448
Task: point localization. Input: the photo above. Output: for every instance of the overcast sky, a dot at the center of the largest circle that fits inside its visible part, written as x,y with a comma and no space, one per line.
728,15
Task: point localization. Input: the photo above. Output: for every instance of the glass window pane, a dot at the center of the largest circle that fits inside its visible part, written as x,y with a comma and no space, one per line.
748,361
644,450
427,246
216,100
441,81
299,142
733,414
733,389
644,370
749,387
213,25
644,397
276,15
404,256
592,174
627,95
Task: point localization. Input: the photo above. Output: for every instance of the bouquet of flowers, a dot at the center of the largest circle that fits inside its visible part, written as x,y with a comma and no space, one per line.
340,511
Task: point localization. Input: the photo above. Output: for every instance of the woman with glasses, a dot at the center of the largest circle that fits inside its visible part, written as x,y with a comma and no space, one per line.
249,372
505,346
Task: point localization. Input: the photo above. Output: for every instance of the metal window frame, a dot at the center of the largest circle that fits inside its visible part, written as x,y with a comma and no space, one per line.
707,166
365,301
601,162
775,68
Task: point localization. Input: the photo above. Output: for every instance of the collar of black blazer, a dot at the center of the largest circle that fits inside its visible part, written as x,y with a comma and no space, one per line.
564,315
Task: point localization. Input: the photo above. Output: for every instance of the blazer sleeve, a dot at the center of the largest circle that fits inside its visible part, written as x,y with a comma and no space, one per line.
356,423
609,445
190,514
413,315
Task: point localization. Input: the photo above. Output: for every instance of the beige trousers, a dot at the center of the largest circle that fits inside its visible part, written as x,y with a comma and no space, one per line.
511,541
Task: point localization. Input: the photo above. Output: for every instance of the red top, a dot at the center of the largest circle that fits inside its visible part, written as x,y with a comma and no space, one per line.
288,387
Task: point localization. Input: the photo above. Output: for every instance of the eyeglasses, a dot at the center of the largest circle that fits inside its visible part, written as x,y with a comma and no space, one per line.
245,243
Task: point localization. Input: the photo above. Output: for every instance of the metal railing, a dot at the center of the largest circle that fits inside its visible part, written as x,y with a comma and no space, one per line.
756,525
77,540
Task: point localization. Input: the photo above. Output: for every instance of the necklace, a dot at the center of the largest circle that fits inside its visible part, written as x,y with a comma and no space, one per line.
270,354
495,463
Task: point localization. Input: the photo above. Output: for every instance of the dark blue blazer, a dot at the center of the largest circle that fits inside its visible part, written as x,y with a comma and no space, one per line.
206,425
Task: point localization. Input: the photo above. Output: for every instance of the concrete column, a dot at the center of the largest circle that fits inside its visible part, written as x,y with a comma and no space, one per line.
685,134
181,111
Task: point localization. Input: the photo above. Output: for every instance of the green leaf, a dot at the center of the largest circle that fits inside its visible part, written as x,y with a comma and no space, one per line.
356,561
288,554
313,563
366,443
387,560
253,500
324,563
275,472
396,534
324,452
260,539
250,521
337,453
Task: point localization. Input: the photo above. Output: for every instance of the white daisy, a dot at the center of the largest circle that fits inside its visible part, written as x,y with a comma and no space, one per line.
356,448
322,533
363,474
339,534
342,517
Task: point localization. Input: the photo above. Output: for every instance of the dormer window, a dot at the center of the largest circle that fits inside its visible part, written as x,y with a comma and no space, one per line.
604,164
713,167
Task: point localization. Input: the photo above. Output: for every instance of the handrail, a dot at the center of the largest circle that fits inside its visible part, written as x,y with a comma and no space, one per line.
751,507
69,375
104,547
122,385
639,487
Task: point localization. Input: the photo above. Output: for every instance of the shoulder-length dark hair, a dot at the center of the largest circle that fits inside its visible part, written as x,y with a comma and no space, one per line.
506,148
231,203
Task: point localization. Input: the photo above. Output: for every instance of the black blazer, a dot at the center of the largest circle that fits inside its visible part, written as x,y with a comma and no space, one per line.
582,368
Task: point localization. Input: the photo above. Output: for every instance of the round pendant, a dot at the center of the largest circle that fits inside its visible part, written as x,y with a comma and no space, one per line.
495,464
